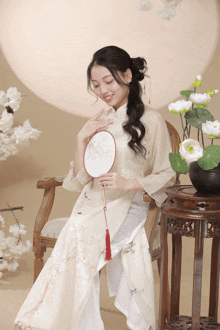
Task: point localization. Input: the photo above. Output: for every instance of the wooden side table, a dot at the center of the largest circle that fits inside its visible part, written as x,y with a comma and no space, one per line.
191,214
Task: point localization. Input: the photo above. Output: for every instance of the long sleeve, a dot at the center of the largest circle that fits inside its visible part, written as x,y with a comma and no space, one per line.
76,183
162,174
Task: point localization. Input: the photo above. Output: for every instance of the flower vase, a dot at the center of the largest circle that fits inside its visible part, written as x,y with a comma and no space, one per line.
205,181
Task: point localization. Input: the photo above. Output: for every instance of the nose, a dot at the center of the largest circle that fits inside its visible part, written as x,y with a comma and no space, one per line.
103,89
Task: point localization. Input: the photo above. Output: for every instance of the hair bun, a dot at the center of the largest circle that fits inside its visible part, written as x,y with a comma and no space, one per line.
139,65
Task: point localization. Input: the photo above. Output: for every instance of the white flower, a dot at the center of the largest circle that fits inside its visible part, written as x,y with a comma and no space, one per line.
3,98
180,106
13,266
13,94
23,133
16,231
12,99
191,150
6,121
2,221
144,5
13,104
198,98
212,128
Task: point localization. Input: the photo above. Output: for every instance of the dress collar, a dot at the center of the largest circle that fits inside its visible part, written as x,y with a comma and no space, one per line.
121,112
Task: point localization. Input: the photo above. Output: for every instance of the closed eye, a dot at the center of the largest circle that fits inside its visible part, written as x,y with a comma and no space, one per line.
109,82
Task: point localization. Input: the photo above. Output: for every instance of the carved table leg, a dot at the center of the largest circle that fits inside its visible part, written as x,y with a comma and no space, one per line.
197,276
163,277
38,262
176,275
214,278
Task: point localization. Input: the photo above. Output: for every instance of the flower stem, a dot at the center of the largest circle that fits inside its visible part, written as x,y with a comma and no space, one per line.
203,144
189,129
186,127
198,135
18,223
182,125
212,141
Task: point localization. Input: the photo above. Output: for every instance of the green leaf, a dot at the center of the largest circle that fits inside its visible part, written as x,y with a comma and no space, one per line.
197,116
211,157
186,93
178,164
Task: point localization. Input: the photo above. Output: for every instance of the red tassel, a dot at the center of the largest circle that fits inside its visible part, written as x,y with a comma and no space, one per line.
108,255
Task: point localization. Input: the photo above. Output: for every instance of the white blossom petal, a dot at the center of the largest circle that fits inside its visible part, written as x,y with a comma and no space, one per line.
191,150
13,94
180,106
211,127
3,98
199,98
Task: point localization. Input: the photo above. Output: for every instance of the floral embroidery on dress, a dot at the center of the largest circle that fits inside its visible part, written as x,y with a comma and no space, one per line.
22,326
130,248
135,291
85,195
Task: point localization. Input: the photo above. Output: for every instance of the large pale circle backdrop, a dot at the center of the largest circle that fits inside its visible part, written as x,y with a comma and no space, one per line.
50,43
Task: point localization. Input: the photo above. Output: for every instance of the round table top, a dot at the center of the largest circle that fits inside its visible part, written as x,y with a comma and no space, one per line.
189,192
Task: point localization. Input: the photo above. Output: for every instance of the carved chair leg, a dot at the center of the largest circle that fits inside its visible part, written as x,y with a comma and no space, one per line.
38,262
168,291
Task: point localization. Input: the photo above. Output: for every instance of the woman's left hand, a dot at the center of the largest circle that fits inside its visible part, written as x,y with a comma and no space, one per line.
113,181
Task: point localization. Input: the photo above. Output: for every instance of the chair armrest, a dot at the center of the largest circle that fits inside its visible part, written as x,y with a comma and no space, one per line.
48,183
147,198
152,219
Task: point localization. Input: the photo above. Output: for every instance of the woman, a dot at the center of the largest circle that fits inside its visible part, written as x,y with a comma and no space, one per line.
65,295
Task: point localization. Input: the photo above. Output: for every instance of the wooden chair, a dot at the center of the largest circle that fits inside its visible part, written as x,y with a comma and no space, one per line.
44,230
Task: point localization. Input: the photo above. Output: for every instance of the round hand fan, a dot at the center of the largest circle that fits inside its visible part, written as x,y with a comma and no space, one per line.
100,154
99,158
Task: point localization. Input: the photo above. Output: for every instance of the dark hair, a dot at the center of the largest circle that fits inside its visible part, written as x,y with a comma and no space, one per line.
117,60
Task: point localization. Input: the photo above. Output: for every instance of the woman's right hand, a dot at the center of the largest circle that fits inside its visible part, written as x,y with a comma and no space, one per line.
92,126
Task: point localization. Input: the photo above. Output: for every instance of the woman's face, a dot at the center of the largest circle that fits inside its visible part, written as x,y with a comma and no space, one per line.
107,88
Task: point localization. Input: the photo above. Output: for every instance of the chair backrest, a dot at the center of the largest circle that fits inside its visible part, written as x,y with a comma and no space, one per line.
175,141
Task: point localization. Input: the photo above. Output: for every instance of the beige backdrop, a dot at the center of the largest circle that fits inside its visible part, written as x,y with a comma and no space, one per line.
50,155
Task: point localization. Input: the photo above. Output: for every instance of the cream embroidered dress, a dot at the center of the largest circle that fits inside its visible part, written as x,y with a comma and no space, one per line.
65,294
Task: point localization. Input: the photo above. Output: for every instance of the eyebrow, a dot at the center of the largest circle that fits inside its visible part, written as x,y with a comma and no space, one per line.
109,75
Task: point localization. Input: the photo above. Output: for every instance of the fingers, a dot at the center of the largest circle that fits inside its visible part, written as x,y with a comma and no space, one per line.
98,114
106,175
105,122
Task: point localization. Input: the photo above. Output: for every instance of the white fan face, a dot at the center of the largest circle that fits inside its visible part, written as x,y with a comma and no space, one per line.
100,154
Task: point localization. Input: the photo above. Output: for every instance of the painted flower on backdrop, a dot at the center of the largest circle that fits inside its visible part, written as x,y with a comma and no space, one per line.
144,5
197,116
167,9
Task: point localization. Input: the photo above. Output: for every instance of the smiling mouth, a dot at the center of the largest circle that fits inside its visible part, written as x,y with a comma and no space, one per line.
108,97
